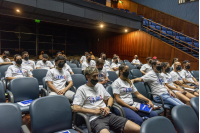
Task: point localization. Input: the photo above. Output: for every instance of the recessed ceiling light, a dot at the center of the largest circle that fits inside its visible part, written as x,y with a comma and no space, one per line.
17,10
101,26
125,30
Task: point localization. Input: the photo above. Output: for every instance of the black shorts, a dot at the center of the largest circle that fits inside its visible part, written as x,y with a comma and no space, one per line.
111,121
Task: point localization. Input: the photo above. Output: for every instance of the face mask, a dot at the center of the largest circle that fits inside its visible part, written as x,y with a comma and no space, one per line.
99,69
94,82
61,64
19,62
104,58
125,74
116,62
26,57
178,68
167,70
158,68
89,59
4,57
44,61
187,67
136,58
150,61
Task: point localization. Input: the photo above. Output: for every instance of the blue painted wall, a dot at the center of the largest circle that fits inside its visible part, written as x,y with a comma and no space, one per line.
187,11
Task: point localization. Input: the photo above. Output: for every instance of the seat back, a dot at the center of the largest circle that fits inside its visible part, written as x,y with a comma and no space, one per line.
39,74
131,66
136,73
3,69
2,93
10,118
185,119
112,76
148,90
126,61
73,65
77,70
130,75
195,74
47,114
24,88
157,124
141,88
195,105
78,80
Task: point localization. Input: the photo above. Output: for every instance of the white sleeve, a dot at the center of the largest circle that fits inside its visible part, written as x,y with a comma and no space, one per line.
34,65
116,87
106,94
79,98
68,76
133,61
134,88
183,74
70,70
93,63
83,66
143,68
147,77
81,59
37,64
29,73
174,76
9,72
8,60
51,65
113,65
49,76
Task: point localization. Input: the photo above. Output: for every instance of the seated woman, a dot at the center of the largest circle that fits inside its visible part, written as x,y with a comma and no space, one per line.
122,90
181,94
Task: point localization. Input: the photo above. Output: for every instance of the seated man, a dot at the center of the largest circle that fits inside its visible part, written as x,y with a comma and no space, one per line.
136,61
88,62
107,63
17,70
103,74
178,79
4,59
146,67
89,99
56,79
44,63
115,66
83,58
29,64
157,85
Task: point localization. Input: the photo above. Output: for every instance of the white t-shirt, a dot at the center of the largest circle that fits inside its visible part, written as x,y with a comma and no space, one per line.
6,60
58,78
135,61
168,78
146,68
175,76
91,98
113,65
67,68
124,89
83,59
187,75
85,64
28,64
156,84
103,74
48,65
173,66
106,65
15,71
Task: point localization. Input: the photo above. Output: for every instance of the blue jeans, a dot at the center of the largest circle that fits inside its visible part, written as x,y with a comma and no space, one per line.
136,116
168,100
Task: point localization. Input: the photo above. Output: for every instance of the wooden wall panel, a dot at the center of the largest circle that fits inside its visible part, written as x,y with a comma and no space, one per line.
144,45
175,23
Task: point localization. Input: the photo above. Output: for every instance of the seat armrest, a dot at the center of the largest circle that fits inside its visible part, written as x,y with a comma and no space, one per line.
74,88
159,96
120,109
4,83
25,129
86,121
10,96
45,92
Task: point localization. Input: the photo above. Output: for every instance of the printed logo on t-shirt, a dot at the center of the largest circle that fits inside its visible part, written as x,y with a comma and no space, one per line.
169,79
27,63
60,76
95,99
18,71
179,78
127,89
189,76
101,75
160,81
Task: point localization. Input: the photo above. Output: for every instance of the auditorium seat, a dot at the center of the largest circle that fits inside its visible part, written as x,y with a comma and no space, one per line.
134,13
158,124
195,74
136,73
39,74
131,67
72,65
2,93
112,76
185,119
11,119
163,28
51,114
78,80
21,89
3,69
77,70
126,61
195,105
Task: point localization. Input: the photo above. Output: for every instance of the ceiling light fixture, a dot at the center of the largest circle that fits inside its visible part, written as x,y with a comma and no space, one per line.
101,26
17,10
125,30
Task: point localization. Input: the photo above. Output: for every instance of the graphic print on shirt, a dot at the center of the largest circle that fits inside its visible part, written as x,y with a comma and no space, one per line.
127,89
101,75
189,76
95,99
60,76
161,81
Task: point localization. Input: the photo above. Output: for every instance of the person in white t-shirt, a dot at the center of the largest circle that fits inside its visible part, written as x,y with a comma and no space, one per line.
115,66
17,70
57,78
178,79
83,58
4,59
174,60
123,89
107,63
103,74
158,87
181,94
57,54
44,63
29,64
146,67
89,99
115,55
187,76
136,61
88,62
68,68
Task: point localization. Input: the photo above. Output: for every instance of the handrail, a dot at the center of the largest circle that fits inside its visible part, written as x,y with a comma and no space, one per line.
174,40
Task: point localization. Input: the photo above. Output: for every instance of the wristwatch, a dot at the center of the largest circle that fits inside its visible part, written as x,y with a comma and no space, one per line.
108,107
